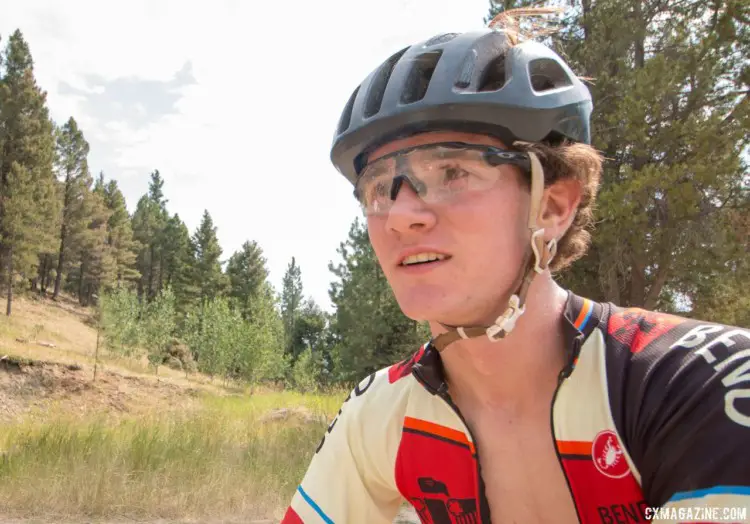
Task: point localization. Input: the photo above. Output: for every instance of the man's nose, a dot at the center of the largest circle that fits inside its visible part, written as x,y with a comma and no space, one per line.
408,211
416,185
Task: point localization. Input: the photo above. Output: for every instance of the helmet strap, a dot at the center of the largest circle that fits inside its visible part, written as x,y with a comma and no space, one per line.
536,260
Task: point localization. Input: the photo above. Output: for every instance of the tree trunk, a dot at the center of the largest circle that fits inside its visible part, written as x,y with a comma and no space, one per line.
46,279
161,272
665,259
10,280
60,262
151,273
640,24
40,274
80,280
586,5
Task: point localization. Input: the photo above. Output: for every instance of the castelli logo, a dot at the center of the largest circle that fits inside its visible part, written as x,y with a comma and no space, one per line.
608,455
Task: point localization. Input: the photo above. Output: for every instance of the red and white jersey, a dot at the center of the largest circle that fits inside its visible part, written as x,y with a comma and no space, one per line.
651,411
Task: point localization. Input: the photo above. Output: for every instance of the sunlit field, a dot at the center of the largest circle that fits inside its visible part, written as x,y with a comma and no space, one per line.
231,458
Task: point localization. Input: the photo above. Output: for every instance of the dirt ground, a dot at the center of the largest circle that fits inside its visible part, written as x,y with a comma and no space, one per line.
47,358
30,388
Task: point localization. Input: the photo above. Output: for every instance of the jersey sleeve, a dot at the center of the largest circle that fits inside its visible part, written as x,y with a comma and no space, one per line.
682,396
351,476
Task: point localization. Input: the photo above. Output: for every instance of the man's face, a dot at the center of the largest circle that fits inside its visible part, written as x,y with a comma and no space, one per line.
482,234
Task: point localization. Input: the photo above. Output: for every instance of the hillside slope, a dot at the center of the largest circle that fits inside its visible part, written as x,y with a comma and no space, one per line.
47,351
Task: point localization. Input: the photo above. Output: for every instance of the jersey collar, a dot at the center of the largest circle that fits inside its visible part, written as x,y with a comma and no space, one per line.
581,316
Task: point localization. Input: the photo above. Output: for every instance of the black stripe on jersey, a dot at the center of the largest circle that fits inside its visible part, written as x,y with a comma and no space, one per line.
570,456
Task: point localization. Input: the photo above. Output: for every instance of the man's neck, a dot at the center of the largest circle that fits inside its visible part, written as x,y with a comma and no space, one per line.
519,370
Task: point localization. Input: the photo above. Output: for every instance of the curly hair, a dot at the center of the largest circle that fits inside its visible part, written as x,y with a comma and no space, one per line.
563,161
566,161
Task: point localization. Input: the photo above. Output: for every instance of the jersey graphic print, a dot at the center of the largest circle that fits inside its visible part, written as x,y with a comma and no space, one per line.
436,471
637,328
436,506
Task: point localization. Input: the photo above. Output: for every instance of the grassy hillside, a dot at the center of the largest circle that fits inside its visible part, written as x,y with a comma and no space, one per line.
135,445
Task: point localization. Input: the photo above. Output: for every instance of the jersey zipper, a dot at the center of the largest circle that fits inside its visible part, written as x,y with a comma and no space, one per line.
564,373
442,392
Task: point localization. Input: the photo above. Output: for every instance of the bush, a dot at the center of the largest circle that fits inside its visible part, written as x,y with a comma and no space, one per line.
308,370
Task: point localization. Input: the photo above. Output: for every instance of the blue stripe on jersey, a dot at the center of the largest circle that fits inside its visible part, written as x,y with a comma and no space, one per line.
589,306
314,506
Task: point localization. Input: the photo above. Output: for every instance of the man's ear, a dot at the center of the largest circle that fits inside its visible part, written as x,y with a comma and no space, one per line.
559,207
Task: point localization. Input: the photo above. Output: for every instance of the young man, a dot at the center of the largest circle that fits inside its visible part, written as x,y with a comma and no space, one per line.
470,155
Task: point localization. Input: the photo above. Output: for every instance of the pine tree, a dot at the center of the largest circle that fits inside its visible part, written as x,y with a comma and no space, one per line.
28,199
369,331
97,265
247,274
309,331
148,223
291,302
119,231
206,274
72,153
178,263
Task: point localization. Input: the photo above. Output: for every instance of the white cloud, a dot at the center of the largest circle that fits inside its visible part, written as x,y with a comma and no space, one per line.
250,141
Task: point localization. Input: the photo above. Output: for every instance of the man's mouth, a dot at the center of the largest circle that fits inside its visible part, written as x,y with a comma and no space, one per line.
423,258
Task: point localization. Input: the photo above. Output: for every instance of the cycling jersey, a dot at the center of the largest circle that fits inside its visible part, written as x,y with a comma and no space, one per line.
651,411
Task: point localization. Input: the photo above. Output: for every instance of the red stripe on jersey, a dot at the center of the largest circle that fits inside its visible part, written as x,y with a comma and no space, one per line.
291,517
403,368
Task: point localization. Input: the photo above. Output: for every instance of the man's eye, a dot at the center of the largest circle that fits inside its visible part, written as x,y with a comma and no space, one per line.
376,191
454,173
380,189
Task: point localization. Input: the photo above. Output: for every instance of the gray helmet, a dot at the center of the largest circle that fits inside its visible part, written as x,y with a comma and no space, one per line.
474,82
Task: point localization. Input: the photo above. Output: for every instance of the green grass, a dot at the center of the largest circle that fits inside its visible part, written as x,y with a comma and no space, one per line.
225,460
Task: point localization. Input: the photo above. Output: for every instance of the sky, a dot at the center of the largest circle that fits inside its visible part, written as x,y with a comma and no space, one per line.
234,102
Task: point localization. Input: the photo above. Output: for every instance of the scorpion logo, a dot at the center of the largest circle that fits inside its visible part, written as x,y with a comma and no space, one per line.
607,455
611,455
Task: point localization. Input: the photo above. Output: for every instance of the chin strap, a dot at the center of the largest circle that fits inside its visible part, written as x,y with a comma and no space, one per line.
536,260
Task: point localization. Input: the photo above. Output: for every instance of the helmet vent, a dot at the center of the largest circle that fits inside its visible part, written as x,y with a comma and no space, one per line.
493,77
467,71
547,74
440,39
419,77
346,115
379,83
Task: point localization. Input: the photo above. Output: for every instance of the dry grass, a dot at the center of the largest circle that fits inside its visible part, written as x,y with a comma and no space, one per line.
134,446
227,459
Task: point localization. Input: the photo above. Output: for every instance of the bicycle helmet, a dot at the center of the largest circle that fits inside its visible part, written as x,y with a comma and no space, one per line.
475,82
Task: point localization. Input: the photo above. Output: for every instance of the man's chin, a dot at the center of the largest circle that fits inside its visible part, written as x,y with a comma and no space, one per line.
442,312
430,310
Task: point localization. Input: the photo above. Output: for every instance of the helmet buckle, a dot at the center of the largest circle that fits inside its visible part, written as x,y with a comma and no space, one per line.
507,321
539,257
